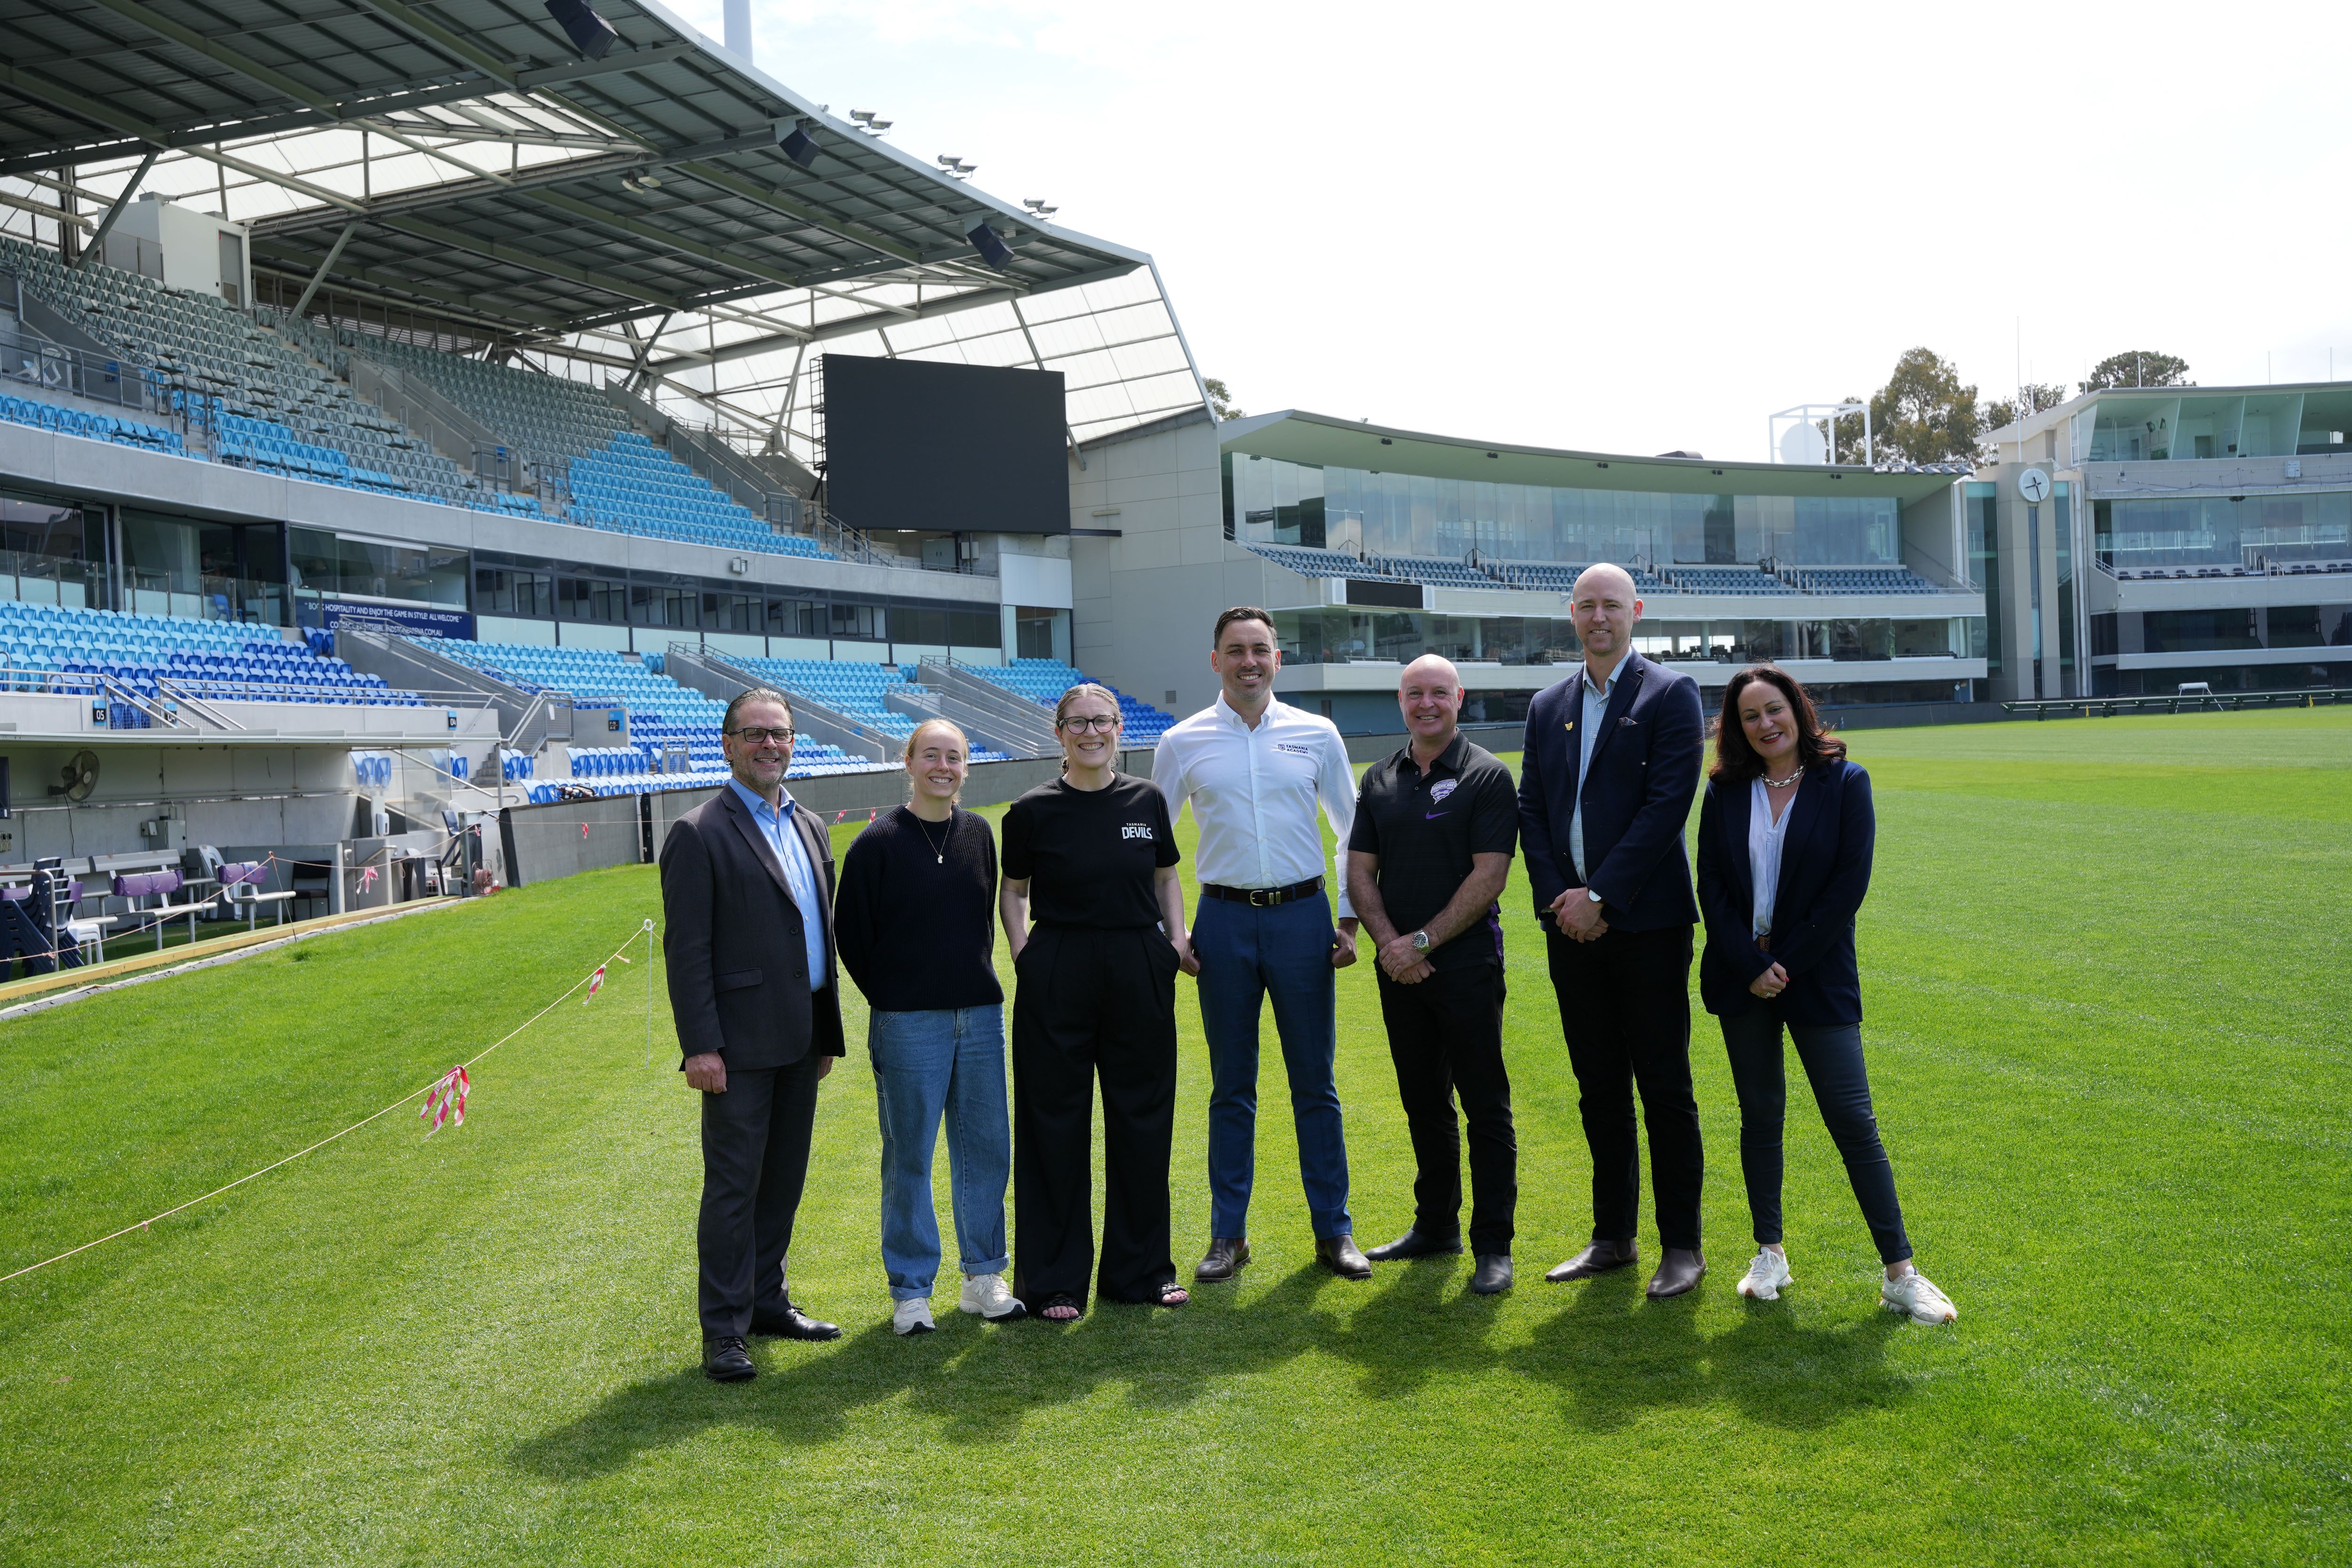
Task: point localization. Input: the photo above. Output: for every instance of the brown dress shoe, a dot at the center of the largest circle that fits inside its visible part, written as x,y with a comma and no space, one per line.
1340,1254
1679,1268
1599,1258
1226,1256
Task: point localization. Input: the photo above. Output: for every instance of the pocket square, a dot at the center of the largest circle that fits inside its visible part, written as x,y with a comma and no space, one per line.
1627,723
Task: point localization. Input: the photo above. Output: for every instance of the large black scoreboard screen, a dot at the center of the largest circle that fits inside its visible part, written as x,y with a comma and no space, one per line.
962,447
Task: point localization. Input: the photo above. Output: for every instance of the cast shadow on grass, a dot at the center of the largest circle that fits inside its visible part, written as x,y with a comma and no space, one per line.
1612,1352
1616,1354
979,1384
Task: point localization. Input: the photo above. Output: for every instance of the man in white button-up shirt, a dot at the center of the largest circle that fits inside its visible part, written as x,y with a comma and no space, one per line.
1255,770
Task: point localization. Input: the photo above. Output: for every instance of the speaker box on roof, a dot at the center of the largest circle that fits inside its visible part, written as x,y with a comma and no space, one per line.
590,33
991,246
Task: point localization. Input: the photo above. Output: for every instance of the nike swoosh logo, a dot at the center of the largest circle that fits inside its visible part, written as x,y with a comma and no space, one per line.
1432,815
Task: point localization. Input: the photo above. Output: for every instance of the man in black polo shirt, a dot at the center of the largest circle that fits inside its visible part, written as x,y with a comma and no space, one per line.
1436,827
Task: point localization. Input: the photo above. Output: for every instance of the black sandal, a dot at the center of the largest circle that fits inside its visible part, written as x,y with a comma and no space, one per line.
1171,1289
1055,1303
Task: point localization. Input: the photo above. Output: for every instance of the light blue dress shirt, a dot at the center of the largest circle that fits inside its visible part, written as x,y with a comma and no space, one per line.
1596,713
792,855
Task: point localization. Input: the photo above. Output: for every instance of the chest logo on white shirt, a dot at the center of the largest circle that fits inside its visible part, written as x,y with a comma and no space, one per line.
1294,748
1135,830
1439,790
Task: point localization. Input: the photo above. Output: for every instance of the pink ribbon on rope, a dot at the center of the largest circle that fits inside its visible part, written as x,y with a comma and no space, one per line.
445,1100
367,877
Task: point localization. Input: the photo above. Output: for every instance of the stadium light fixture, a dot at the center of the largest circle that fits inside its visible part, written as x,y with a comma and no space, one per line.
590,33
1041,208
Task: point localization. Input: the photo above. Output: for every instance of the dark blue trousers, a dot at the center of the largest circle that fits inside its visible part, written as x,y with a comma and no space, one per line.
1249,955
1832,1054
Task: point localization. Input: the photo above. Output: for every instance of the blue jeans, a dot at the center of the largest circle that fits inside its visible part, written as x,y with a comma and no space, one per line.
1248,954
927,1065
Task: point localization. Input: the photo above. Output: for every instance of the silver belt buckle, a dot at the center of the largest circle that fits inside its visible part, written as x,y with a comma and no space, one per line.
1262,897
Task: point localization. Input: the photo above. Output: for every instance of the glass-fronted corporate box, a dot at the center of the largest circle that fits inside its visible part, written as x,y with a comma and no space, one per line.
1334,636
2221,531
1271,501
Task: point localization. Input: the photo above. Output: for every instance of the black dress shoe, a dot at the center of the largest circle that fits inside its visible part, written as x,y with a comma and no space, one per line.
1679,1268
792,1323
1493,1276
724,1360
1223,1260
1598,1258
1340,1256
1414,1243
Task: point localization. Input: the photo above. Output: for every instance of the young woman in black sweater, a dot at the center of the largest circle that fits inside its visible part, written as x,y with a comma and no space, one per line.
914,921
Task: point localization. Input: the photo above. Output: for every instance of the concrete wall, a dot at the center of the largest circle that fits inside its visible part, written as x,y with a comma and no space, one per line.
203,794
1143,604
543,843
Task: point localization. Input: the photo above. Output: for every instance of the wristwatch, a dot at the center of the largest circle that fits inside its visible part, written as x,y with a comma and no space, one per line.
1420,941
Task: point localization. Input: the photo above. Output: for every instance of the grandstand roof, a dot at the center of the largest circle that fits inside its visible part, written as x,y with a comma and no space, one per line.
1321,440
637,213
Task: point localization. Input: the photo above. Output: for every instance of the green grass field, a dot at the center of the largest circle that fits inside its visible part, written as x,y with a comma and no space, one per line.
2107,984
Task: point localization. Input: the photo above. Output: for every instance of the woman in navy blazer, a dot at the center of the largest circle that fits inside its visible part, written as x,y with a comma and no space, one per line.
1785,812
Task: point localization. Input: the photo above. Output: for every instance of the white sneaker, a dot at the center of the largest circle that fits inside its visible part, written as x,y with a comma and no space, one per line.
912,1317
1764,1276
988,1295
1917,1294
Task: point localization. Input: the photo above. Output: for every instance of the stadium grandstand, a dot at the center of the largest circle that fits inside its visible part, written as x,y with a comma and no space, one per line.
433,385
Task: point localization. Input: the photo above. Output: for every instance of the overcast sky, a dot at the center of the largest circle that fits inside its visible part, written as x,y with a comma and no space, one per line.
1635,228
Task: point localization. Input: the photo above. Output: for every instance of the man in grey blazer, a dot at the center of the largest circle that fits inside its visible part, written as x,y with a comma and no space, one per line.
747,900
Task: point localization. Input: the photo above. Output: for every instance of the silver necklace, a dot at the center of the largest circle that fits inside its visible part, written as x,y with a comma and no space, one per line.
1788,782
938,851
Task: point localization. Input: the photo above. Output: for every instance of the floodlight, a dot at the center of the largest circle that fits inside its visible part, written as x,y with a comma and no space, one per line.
590,33
861,115
950,161
991,246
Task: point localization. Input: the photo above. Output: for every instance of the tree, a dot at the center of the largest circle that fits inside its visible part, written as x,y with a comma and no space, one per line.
1923,413
2140,367
2032,399
1221,402
1845,440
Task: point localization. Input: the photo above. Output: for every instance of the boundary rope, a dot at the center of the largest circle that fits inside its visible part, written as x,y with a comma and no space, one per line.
620,953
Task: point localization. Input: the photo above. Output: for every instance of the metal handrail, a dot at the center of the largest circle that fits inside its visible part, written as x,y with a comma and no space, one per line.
2216,701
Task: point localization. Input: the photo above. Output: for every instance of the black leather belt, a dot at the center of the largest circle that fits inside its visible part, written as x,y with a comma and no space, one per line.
1263,898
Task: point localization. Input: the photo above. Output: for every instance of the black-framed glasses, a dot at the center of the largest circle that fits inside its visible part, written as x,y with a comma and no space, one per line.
1102,723
759,737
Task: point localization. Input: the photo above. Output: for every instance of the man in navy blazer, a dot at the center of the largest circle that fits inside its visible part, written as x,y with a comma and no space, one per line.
746,896
1610,765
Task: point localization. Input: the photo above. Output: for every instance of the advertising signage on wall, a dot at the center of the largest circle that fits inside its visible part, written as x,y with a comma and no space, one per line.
414,620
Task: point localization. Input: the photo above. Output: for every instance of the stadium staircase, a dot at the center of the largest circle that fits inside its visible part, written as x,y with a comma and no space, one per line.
618,478
1043,681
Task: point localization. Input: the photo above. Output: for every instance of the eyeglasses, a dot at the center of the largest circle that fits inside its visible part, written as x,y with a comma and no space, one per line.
1101,723
762,737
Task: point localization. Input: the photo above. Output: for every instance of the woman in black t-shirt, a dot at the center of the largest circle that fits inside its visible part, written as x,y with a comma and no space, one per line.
1091,858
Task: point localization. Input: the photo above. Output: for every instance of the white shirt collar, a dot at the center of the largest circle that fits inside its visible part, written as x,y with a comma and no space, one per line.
1231,716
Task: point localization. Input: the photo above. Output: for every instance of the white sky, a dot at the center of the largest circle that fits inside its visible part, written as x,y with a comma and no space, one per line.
1634,228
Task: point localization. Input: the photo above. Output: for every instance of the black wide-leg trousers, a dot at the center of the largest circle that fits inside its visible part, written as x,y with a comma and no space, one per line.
1445,1036
755,1149
1089,1005
1624,1010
